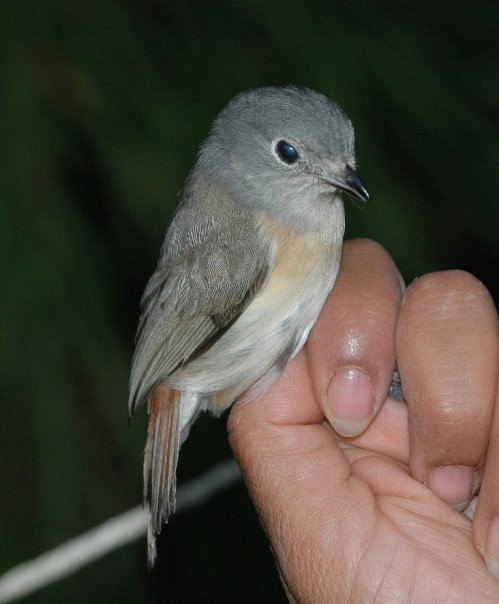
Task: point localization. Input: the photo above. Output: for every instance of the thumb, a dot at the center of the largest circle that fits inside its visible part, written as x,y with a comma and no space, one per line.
298,479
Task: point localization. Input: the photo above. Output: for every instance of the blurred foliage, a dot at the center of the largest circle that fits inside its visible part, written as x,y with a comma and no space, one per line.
103,106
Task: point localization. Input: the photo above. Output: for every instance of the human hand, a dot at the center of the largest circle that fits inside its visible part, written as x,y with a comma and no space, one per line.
363,518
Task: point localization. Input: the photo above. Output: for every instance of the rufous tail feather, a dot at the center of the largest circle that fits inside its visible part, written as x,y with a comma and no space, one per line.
160,461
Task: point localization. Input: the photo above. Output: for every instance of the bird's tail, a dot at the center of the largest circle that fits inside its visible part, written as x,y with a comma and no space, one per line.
160,460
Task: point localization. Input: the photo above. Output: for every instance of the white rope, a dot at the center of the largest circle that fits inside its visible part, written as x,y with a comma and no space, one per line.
95,543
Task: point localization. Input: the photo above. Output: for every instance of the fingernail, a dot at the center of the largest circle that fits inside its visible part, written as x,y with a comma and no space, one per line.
454,485
350,401
491,552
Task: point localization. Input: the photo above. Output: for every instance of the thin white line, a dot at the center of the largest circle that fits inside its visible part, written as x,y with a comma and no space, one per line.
95,543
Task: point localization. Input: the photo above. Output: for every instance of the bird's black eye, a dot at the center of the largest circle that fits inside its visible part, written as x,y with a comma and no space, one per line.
286,152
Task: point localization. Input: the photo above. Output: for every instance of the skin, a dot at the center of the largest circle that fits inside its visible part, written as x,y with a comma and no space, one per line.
370,517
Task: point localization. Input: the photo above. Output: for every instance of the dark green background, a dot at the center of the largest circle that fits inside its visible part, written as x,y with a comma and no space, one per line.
103,105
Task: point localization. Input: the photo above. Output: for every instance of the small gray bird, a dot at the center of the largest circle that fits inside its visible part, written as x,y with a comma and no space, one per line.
245,268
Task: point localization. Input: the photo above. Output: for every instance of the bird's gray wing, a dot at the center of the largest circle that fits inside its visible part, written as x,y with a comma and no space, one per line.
210,268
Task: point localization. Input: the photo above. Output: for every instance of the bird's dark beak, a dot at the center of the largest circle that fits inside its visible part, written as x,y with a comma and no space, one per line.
351,184
355,186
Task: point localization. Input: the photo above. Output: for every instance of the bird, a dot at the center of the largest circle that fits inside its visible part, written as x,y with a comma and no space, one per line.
248,260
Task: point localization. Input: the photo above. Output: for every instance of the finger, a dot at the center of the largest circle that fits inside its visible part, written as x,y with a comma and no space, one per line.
447,358
351,349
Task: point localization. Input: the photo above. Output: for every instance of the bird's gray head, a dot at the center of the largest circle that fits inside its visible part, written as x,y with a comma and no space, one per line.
288,145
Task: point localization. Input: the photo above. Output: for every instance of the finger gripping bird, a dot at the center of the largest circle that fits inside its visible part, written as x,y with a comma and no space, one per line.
247,263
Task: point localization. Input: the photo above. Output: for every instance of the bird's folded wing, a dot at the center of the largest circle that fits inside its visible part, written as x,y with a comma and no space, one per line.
197,291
